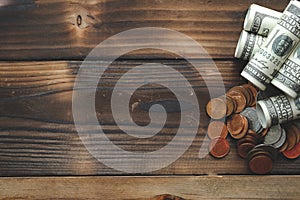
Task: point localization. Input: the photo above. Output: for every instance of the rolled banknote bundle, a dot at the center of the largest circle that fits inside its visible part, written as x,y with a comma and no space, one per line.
262,68
248,45
278,109
288,77
261,20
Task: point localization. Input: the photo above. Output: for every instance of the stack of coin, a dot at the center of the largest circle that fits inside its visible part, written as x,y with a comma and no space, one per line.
261,158
292,140
235,101
237,126
292,153
247,143
254,124
275,137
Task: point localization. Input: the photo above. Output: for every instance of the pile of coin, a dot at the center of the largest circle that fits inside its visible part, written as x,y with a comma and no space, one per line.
238,118
261,158
291,147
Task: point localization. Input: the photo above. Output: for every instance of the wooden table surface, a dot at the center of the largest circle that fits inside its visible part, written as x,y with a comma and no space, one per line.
43,44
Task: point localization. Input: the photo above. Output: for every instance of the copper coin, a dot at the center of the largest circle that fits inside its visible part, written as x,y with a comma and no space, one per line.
253,90
246,140
217,129
240,99
261,164
244,130
292,153
284,146
256,152
216,108
244,149
264,132
235,124
246,93
291,138
230,106
268,148
291,128
219,147
258,138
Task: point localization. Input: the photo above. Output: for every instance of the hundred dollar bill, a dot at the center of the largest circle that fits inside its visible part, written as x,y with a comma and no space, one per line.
275,50
278,109
288,77
261,20
248,45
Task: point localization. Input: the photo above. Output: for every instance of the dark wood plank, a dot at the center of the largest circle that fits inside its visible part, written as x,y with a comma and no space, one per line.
152,188
48,29
38,136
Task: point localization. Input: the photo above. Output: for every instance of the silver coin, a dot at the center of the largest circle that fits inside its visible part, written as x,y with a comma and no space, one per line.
260,130
273,135
251,115
281,140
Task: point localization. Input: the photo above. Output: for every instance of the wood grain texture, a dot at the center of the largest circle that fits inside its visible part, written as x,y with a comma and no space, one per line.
69,29
38,136
152,188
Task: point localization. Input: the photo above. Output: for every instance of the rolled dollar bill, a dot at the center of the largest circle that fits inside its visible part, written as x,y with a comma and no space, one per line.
278,109
288,77
261,20
248,45
276,49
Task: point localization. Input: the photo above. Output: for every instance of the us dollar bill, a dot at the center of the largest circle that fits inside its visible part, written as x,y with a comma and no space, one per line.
261,20
288,77
265,64
278,109
248,45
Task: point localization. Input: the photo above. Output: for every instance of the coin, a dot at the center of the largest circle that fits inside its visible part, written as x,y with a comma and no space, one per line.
255,152
239,98
245,92
273,135
253,91
261,164
281,141
291,139
258,138
292,153
284,146
268,148
216,108
229,104
264,132
250,114
244,149
217,129
246,140
235,124
243,131
219,147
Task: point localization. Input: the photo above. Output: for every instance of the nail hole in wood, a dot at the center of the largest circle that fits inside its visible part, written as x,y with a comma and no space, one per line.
79,20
